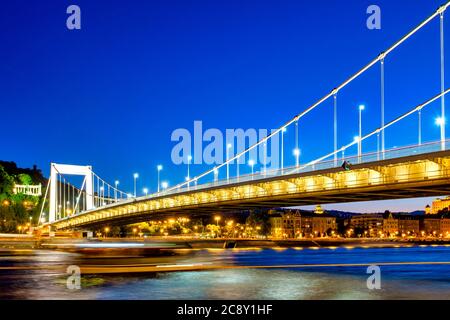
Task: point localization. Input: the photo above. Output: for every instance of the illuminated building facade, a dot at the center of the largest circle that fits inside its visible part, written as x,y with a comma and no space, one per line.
286,225
296,224
436,225
371,224
323,225
438,205
318,209
317,225
408,225
390,225
431,226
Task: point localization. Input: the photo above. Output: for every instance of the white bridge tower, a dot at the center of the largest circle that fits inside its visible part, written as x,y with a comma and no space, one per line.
66,169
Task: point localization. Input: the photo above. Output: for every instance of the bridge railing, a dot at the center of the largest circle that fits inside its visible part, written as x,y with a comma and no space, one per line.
375,156
312,167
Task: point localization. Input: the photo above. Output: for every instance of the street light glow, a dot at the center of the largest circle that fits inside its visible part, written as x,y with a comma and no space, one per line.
440,121
164,184
251,163
362,107
188,171
136,175
296,152
159,168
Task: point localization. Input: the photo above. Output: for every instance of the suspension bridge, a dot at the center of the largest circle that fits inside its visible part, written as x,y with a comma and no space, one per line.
418,170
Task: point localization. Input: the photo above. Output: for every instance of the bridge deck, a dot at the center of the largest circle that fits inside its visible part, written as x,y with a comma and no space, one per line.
407,177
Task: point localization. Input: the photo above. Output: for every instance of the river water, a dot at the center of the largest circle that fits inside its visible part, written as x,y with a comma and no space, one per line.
316,282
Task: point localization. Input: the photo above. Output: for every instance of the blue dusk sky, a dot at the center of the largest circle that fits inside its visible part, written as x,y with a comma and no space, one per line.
111,94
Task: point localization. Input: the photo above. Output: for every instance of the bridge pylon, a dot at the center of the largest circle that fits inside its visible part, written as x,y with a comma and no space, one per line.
65,169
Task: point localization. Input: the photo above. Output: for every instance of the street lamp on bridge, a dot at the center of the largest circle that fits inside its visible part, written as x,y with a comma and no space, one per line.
228,164
189,158
159,168
135,176
101,197
251,163
440,121
297,157
361,109
357,140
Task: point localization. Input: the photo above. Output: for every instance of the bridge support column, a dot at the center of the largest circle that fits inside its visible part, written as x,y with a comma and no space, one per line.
89,190
53,198
56,169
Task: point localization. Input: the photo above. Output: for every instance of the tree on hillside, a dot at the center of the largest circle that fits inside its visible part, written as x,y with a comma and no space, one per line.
6,182
35,173
25,179
261,220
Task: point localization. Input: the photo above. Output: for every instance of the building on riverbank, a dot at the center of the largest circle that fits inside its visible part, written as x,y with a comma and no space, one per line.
445,226
293,224
408,225
390,225
435,225
286,225
370,224
437,206
297,224
430,226
317,225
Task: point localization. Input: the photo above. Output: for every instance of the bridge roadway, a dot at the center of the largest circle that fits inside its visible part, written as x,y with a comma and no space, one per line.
419,175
